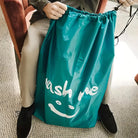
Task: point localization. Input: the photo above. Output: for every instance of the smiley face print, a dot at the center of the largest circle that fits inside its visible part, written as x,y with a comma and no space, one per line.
53,109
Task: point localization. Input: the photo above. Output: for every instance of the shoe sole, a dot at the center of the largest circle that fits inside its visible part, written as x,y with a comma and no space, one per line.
30,128
107,129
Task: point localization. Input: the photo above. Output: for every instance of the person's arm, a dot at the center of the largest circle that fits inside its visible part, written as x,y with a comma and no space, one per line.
128,3
53,10
38,4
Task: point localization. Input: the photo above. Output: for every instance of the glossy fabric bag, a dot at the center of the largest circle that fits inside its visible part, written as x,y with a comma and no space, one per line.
73,69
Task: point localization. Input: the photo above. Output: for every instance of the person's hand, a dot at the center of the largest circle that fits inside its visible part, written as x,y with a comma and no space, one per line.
55,10
127,3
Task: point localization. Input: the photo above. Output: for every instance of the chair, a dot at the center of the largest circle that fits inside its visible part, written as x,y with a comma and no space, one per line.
101,6
17,14
136,79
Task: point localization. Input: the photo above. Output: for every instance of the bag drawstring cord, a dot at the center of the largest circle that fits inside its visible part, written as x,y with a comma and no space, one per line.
116,8
127,24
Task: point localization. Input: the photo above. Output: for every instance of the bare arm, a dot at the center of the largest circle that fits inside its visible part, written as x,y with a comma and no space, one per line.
128,3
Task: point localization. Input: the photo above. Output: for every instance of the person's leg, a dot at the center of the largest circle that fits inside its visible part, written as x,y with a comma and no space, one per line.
29,57
107,92
106,116
27,74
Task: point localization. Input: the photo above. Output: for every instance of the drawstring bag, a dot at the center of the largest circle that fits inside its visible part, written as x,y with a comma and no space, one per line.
73,68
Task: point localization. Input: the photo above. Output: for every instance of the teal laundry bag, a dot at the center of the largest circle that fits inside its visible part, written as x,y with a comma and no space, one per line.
73,68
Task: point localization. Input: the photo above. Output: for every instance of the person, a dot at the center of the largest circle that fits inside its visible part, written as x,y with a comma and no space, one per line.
47,10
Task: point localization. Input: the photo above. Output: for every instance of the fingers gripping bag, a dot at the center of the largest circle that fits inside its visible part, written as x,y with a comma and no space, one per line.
73,68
